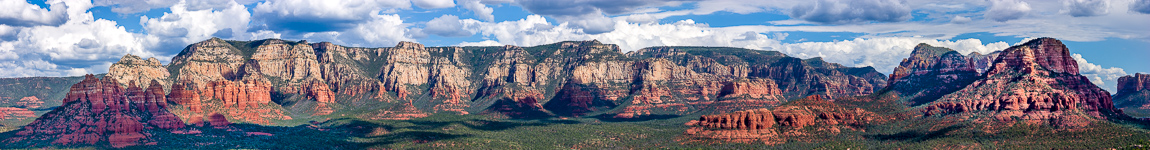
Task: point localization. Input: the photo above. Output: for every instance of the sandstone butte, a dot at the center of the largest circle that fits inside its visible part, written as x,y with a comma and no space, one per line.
266,80
1133,95
1036,82
931,72
98,110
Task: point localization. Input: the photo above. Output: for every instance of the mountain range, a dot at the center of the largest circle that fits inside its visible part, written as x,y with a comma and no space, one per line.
218,91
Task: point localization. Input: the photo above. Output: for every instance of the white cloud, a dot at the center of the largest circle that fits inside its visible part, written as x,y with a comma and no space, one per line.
590,15
481,43
320,16
1106,78
433,4
134,6
852,11
81,38
1006,10
960,19
446,25
1086,8
480,10
379,31
20,13
183,26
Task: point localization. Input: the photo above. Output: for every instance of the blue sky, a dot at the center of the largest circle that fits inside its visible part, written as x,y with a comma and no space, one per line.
75,37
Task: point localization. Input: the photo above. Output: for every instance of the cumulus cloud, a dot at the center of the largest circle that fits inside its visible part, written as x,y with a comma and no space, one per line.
1086,8
184,26
1141,6
480,43
1006,10
20,13
82,44
852,11
378,31
446,25
480,10
134,6
1106,78
319,16
432,4
137,6
588,15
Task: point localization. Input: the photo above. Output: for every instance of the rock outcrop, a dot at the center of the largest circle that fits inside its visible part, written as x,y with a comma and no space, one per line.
30,102
97,111
931,72
14,113
780,124
1133,95
245,101
1036,82
132,68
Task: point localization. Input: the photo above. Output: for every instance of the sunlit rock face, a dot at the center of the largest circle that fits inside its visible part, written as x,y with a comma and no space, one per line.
97,111
931,72
781,124
1036,82
132,68
1133,95
265,81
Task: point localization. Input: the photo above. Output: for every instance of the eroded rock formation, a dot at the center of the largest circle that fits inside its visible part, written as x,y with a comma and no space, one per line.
931,72
1134,95
1036,82
132,68
779,124
272,77
98,110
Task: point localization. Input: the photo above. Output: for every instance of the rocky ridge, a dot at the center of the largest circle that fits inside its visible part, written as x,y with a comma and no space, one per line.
1037,83
783,123
561,79
931,72
132,68
1133,95
98,110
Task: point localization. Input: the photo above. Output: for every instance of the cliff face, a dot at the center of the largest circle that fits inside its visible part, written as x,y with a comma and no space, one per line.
1036,82
261,81
102,111
131,69
783,123
931,72
1134,95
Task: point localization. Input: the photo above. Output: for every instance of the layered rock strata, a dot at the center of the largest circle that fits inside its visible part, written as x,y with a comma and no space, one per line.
1037,82
561,79
97,111
1133,95
931,72
132,68
783,123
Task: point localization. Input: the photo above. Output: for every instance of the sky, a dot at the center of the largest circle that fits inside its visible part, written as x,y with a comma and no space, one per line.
1108,38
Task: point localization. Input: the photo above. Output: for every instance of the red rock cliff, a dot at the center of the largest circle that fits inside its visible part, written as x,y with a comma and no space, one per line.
1035,82
780,124
101,110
